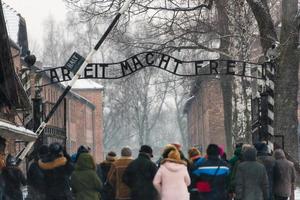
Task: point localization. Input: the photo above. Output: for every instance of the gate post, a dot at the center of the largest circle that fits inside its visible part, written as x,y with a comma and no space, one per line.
262,108
270,86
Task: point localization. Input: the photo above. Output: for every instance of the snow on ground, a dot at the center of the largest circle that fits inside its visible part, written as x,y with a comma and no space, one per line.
297,194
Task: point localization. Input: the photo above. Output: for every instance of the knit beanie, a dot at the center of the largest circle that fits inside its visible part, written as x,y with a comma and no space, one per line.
126,151
194,152
213,150
111,156
177,145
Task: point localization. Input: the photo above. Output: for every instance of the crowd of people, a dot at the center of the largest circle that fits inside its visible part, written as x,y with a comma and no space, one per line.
251,174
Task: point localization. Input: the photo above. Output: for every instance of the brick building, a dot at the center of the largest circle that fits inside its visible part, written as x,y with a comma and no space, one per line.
78,119
93,92
205,114
14,101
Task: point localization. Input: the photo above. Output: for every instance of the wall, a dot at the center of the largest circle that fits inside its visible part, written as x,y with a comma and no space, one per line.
96,97
206,116
83,117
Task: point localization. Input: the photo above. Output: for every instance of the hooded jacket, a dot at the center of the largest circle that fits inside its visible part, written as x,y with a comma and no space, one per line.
251,178
56,173
284,175
172,180
84,181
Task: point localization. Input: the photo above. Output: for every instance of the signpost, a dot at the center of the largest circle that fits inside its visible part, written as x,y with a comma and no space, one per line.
77,64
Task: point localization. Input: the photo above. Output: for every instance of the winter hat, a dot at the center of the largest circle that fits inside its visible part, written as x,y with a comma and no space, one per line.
250,154
83,149
239,145
146,149
194,153
126,151
111,156
279,154
221,151
262,148
43,150
212,150
177,145
55,149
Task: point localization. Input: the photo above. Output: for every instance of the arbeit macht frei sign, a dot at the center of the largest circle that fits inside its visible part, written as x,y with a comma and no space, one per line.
162,61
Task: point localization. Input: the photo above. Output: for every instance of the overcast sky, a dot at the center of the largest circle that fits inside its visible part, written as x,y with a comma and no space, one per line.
36,12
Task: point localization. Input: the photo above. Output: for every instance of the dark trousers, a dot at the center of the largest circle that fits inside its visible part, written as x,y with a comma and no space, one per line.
194,195
280,198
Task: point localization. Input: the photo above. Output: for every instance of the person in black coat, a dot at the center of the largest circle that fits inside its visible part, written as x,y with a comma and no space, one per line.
36,178
57,168
139,176
103,168
14,179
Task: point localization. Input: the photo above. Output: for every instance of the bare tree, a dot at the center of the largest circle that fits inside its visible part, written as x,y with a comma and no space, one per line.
287,66
200,25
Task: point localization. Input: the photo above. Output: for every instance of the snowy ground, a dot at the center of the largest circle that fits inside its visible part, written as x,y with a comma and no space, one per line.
297,193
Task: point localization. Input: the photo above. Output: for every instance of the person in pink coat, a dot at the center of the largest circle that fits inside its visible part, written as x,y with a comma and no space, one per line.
172,178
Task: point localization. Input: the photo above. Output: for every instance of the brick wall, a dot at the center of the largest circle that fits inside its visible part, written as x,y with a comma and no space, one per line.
83,117
96,97
206,116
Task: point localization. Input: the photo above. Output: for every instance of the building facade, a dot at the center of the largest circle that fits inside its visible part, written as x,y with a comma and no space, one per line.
78,119
205,115
14,101
24,105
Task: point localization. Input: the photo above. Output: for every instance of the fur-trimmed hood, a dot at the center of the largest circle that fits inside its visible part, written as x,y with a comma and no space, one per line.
173,161
58,162
174,166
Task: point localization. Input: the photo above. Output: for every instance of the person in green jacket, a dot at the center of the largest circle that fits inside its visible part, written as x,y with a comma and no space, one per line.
85,183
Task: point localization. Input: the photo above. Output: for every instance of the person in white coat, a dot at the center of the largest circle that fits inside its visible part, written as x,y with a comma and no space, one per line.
172,178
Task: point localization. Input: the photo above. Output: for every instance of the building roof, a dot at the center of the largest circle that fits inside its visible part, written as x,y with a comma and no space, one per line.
86,84
9,130
12,21
79,85
10,87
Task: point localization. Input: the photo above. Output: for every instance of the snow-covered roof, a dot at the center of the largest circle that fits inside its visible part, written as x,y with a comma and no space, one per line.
63,85
12,21
86,84
17,132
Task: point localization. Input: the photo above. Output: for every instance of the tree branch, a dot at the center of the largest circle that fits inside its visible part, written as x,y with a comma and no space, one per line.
265,23
179,9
